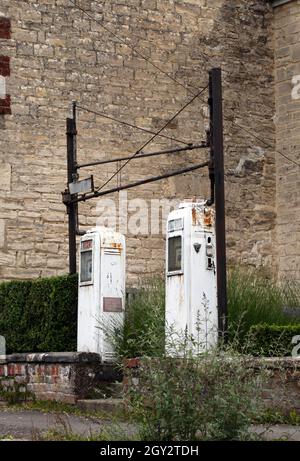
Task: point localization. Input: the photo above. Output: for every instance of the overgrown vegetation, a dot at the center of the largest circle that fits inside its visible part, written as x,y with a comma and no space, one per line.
269,416
254,300
53,407
144,327
213,396
209,397
62,430
16,395
39,315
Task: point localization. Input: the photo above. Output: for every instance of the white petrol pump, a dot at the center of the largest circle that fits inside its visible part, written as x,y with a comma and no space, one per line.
101,294
191,289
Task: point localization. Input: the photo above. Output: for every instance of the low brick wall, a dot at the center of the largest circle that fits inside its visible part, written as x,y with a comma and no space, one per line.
63,377
281,391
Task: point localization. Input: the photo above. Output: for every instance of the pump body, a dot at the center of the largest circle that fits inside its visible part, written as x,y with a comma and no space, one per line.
101,292
191,288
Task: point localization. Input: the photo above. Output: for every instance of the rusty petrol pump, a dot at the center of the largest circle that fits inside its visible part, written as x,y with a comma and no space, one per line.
191,286
101,291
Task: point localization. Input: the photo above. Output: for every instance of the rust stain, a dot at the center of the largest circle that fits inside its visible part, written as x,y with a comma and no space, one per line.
194,216
207,218
117,245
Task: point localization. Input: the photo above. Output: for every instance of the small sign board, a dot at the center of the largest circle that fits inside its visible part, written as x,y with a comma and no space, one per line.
112,304
82,187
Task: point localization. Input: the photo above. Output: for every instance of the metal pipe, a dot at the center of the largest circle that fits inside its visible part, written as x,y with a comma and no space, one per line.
218,159
71,206
67,197
211,168
175,150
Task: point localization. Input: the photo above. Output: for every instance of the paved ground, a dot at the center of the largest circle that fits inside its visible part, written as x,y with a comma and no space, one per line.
31,424
278,432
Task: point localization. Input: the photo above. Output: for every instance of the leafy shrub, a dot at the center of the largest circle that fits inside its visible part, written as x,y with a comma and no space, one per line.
272,340
39,315
252,300
209,397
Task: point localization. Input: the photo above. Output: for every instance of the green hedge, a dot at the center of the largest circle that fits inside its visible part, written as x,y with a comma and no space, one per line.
39,315
272,340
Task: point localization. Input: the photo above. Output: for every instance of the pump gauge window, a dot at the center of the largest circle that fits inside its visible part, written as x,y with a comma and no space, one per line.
86,272
174,254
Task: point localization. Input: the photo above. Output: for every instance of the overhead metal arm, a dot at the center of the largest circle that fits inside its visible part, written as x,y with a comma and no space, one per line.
67,198
175,150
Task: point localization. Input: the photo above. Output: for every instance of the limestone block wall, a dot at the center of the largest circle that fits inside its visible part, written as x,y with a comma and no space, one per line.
287,89
54,53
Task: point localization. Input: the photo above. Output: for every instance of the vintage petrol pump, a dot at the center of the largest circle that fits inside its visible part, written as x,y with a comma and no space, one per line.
191,289
101,294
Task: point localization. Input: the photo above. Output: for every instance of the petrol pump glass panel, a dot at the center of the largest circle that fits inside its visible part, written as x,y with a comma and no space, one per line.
86,271
175,254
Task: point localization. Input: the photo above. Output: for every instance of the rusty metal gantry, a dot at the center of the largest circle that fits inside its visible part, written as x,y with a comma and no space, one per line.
216,175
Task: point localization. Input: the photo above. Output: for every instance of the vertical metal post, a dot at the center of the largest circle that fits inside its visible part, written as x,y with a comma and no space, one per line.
216,136
72,174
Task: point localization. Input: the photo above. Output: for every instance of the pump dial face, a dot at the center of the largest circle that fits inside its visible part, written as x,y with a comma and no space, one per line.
86,263
174,253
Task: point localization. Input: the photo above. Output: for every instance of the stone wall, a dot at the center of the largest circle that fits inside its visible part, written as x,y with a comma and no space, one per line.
71,376
57,54
63,377
281,388
287,88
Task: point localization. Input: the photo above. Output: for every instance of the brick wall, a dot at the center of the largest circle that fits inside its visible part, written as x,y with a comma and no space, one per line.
57,54
64,377
69,376
287,79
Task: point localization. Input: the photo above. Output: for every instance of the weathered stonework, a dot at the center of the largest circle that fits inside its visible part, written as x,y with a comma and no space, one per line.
57,54
287,79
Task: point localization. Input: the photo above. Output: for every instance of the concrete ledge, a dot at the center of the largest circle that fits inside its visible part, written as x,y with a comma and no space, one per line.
51,357
111,406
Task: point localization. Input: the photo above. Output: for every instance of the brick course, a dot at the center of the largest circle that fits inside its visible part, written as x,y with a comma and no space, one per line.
287,67
5,105
4,66
5,28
